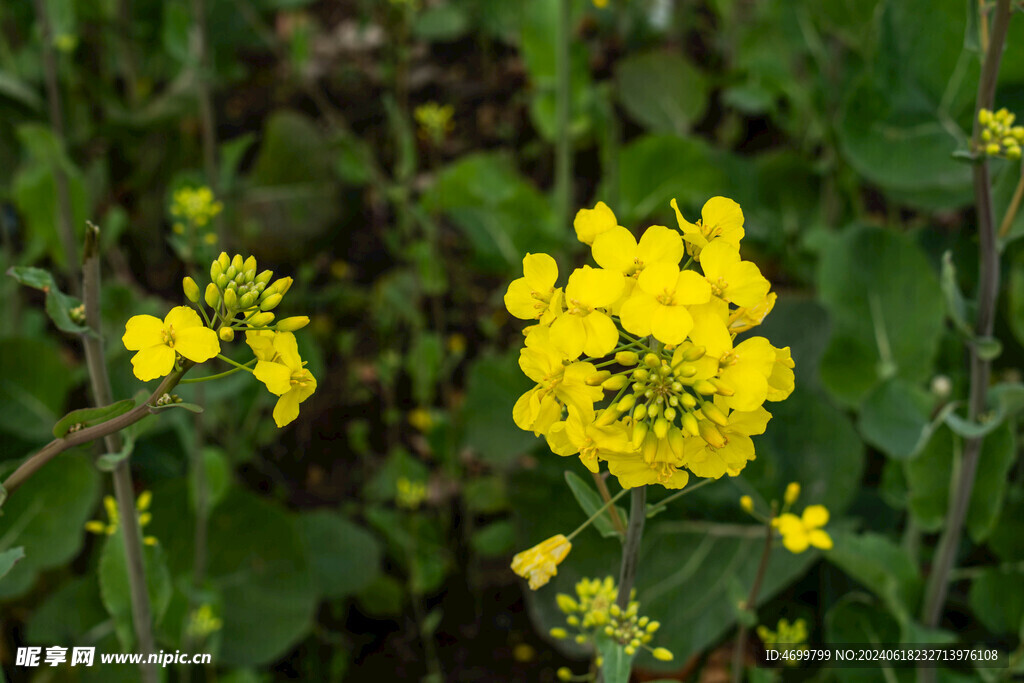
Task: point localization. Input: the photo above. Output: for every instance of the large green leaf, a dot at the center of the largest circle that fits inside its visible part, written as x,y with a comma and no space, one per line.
115,589
34,382
887,312
894,418
858,618
493,386
883,567
997,599
46,516
9,558
662,91
344,557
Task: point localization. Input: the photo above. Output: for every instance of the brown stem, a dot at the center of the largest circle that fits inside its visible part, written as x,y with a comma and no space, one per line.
739,649
606,496
980,369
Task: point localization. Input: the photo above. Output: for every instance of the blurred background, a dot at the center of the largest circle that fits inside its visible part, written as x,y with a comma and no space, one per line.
398,158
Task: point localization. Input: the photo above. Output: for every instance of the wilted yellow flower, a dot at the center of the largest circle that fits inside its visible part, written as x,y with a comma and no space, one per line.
540,563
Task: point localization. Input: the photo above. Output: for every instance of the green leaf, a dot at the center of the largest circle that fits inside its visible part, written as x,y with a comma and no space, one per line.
661,91
927,479
9,558
89,417
894,418
858,618
58,305
956,307
1007,538
47,518
114,585
617,664
494,540
344,557
887,310
881,566
441,23
190,407
108,462
3,495
998,452
492,388
423,363
216,476
997,599
14,88
590,500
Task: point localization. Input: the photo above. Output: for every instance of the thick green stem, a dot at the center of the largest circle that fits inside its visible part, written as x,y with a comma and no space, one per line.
740,648
563,149
963,478
631,548
123,490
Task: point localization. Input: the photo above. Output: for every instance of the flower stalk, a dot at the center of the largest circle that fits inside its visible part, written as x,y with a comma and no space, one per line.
741,637
631,548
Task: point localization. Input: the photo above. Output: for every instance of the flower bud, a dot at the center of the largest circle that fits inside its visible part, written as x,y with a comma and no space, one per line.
261,320
212,295
675,441
661,426
712,412
639,433
224,260
296,322
689,422
250,275
640,412
626,403
566,603
271,302
222,280
247,300
694,353
662,654
627,358
231,299
747,503
558,633
686,370
215,271
249,264
614,383
721,388
641,375
191,289
688,401
564,673
237,261
670,413
710,433
282,285
704,387
231,272
264,277
652,360
597,378
792,493
226,334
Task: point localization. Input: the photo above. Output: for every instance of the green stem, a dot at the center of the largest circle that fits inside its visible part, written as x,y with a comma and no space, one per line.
238,366
741,638
689,489
563,149
210,378
631,548
963,479
596,514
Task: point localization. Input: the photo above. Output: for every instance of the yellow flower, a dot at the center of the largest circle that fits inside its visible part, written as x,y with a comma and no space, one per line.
658,304
582,434
582,328
196,205
157,341
798,533
590,223
736,281
747,503
281,369
203,622
113,519
435,120
782,381
792,493
742,319
721,219
617,249
540,563
421,419
725,449
558,384
600,4
533,295
409,494
659,462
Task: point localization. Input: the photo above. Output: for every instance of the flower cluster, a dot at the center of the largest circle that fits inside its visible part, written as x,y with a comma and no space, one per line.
240,300
435,121
194,208
999,137
787,638
109,528
653,329
593,615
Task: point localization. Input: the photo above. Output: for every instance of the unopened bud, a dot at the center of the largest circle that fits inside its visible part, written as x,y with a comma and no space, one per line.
688,401
222,281
710,433
694,353
595,379
704,387
231,299
247,300
639,433
212,295
231,272
224,260
675,441
721,388
661,426
566,603
264,277
191,289
640,412
250,275
662,654
282,285
652,360
296,322
215,271
270,303
627,358
261,320
614,383
626,403
747,503
670,413
686,370
689,422
713,413
249,264
558,633
226,334
237,261
792,493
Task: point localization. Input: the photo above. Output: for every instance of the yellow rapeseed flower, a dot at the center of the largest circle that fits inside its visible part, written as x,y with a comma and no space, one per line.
721,219
540,563
282,370
799,533
157,342
590,223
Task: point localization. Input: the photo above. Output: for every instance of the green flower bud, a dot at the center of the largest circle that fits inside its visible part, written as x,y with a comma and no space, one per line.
640,412
247,300
690,424
231,272
652,360
558,633
224,260
249,264
614,383
688,401
282,285
212,295
237,261
215,271
261,320
226,334
662,654
296,322
191,289
250,274
264,277
704,387
661,428
270,302
231,299
222,281
712,412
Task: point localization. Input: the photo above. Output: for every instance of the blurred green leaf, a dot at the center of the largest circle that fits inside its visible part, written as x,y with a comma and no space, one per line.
114,585
997,599
881,566
14,88
590,501
894,418
662,91
858,618
399,465
46,517
492,388
423,363
887,311
89,417
344,557
617,664
69,611
58,304
9,558
495,539
216,478
382,598
441,23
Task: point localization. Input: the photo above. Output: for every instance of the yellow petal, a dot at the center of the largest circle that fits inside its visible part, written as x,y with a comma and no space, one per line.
659,278
685,226
142,331
590,223
637,312
749,422
747,287
723,218
155,361
594,287
691,289
182,317
262,344
796,542
659,244
276,376
717,257
671,324
815,516
602,335
520,302
820,539
287,409
198,344
616,250
540,271
288,348
568,334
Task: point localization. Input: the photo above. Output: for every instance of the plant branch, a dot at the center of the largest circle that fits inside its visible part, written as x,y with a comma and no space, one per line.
741,637
1013,208
602,488
631,548
563,149
980,369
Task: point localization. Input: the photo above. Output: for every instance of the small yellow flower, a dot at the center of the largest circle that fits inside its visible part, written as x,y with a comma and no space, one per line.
157,341
421,419
798,533
282,370
203,622
540,563
747,503
435,120
409,494
113,520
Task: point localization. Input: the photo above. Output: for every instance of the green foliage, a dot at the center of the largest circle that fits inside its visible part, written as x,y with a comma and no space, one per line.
662,91
344,557
114,585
